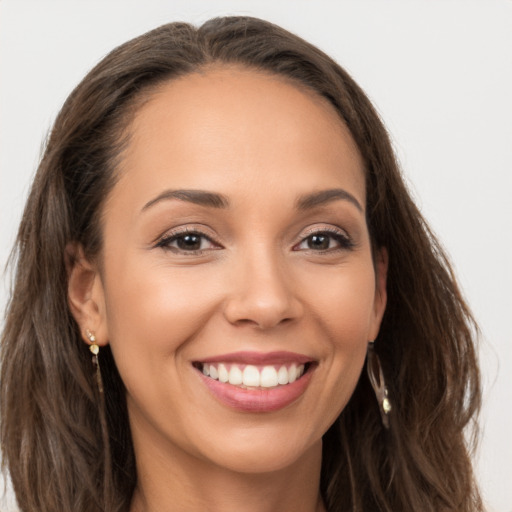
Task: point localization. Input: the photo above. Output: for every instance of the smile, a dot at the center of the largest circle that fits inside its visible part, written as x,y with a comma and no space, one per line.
254,382
251,376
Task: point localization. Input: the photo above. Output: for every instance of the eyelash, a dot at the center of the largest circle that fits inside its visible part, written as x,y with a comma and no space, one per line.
343,240
166,241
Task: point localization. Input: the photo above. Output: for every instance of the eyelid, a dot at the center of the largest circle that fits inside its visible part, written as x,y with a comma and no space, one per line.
184,228
326,228
346,242
165,239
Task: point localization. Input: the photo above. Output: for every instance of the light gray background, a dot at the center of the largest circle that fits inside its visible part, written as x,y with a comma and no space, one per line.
440,73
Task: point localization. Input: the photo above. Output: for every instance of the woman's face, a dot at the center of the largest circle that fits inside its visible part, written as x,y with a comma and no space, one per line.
235,245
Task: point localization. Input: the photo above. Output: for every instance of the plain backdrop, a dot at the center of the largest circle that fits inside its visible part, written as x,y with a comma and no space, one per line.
439,72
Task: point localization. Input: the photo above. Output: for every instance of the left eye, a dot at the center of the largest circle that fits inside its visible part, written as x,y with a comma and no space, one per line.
187,242
323,241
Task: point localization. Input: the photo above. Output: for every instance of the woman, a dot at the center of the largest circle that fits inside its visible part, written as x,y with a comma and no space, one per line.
219,218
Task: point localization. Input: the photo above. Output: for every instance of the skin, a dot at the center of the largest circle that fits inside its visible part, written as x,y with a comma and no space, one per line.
258,284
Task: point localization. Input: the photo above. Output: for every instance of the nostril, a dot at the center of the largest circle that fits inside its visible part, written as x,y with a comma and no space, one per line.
263,323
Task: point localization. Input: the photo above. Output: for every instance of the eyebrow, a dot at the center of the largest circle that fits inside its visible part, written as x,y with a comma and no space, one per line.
200,197
309,201
215,200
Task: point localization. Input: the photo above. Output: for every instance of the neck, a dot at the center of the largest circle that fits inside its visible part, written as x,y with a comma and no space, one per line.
185,483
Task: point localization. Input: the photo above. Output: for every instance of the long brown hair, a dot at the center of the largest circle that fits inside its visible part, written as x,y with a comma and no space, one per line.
55,448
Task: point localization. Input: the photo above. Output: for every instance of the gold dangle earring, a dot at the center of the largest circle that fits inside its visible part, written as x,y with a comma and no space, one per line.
376,377
95,350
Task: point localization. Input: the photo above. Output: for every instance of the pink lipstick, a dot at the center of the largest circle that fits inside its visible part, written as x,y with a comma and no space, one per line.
257,382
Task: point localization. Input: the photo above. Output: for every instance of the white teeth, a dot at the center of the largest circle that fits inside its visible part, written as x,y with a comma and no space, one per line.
223,373
235,376
268,378
282,375
292,373
251,376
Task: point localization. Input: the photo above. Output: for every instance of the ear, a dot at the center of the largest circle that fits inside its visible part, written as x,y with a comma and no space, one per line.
380,300
86,296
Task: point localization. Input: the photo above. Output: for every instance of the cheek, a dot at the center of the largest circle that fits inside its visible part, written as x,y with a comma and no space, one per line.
154,310
343,302
343,307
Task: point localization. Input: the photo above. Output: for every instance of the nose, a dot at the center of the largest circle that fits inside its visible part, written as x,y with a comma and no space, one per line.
261,293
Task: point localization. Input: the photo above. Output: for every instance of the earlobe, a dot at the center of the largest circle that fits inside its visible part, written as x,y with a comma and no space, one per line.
85,294
381,274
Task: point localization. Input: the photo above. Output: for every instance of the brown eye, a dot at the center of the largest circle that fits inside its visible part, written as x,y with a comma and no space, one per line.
318,242
187,242
325,241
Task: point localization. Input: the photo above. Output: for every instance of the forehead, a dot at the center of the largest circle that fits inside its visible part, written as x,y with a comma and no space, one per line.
239,128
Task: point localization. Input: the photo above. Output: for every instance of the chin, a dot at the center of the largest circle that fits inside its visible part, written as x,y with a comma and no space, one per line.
264,453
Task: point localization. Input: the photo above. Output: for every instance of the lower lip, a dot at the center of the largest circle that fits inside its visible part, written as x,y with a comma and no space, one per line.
258,400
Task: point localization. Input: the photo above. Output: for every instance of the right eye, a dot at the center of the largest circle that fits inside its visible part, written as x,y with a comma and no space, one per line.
191,242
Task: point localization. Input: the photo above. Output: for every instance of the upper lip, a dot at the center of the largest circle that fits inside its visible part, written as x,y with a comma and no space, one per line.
259,358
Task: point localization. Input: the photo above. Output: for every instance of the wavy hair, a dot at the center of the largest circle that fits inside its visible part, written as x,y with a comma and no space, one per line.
65,450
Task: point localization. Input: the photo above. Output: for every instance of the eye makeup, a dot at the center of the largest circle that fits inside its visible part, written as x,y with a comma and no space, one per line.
192,241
